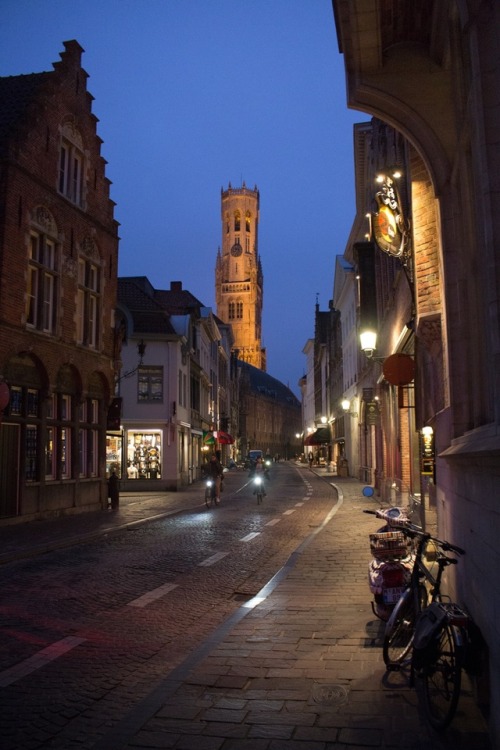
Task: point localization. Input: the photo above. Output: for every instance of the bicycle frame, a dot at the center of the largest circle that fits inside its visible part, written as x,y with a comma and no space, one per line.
424,587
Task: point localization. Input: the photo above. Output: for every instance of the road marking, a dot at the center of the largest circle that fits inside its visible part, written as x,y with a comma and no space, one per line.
273,522
150,596
212,560
299,505
289,512
250,536
39,660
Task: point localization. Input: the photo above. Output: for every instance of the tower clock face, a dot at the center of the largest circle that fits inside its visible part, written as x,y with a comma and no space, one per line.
236,250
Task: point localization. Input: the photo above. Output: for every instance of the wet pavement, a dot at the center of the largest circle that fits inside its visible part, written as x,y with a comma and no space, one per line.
299,666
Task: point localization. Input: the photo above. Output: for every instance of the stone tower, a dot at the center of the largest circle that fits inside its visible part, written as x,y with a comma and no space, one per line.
238,273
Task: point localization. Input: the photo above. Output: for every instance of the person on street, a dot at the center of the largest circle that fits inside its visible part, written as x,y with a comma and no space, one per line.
215,472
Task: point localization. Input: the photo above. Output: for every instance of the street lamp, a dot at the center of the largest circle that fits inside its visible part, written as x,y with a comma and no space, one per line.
346,405
368,341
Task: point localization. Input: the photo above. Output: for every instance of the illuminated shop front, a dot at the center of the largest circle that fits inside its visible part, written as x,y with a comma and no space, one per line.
143,454
134,454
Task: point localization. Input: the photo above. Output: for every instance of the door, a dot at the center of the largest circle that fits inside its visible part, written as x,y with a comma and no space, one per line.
9,469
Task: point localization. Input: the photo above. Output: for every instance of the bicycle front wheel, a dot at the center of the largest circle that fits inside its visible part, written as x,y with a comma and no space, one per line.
399,631
442,678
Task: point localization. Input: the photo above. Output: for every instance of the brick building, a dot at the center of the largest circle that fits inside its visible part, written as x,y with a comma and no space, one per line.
58,268
431,72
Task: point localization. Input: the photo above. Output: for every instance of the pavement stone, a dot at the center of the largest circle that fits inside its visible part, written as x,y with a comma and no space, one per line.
299,666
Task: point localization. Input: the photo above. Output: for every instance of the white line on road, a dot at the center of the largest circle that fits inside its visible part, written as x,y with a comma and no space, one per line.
289,512
150,596
273,522
38,660
212,560
299,505
250,536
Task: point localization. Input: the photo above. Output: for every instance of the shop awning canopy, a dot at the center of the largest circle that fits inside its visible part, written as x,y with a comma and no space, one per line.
320,437
208,437
224,438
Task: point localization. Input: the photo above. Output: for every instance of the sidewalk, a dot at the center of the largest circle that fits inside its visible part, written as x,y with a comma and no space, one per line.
31,538
298,667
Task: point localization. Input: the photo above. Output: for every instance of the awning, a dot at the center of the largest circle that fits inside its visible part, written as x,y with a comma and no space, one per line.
224,438
320,437
208,438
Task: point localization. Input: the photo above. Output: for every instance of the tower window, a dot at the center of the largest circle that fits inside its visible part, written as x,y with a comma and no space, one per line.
231,311
247,222
237,221
239,310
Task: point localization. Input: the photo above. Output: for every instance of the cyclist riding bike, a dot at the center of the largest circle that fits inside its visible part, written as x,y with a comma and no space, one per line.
215,471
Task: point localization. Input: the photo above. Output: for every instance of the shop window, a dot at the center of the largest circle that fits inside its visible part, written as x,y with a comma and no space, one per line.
41,300
144,455
49,454
150,384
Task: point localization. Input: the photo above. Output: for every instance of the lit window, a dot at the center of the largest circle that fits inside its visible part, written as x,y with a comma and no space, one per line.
247,222
237,221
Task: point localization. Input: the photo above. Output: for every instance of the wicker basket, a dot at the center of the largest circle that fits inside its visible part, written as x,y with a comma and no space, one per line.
387,545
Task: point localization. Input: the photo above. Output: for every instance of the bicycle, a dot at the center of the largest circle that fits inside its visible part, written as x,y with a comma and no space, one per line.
211,494
436,631
259,489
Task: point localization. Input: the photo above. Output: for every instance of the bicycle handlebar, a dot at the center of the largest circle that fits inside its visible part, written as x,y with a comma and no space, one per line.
410,529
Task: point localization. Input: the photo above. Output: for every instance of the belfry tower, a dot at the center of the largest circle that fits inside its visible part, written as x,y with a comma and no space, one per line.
238,273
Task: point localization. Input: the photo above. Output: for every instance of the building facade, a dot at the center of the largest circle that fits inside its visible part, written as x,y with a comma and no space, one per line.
239,281
58,261
431,72
173,389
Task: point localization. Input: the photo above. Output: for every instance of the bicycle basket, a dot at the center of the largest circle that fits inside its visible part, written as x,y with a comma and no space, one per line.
387,545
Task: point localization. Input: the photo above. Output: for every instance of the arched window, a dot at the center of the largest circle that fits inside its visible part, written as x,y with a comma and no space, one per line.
239,310
231,311
247,221
237,221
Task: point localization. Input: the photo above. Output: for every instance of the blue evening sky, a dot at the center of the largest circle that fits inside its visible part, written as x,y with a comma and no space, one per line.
192,95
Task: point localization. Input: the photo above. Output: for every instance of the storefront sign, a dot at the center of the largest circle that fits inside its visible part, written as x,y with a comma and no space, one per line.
388,221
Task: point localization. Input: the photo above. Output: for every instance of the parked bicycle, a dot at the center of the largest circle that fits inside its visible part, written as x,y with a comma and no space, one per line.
434,629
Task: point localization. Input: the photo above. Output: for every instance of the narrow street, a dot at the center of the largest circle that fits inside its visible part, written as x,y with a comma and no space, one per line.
89,630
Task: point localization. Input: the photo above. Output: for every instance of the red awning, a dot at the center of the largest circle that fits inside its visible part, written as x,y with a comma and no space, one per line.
224,438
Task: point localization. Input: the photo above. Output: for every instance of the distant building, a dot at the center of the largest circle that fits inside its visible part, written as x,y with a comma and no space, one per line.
270,414
239,281
58,261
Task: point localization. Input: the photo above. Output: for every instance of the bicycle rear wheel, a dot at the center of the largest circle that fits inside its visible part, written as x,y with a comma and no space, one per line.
400,628
442,679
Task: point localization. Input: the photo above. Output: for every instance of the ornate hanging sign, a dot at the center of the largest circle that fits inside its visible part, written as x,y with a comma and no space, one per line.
388,223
